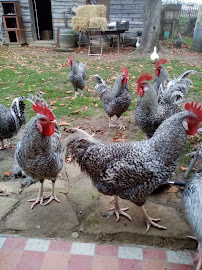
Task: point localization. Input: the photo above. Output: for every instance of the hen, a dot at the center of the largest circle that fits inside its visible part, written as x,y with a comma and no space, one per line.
11,120
161,74
178,42
134,170
115,100
77,75
154,56
39,153
149,113
192,200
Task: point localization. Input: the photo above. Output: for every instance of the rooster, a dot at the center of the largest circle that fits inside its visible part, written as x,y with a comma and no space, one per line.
192,200
115,100
133,170
149,113
77,75
39,153
11,120
178,42
173,91
161,74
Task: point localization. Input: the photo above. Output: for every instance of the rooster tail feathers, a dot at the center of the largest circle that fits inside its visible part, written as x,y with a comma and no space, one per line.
185,74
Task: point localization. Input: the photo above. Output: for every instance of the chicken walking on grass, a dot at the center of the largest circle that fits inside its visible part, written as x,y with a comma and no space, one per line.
77,75
39,152
115,100
133,170
11,120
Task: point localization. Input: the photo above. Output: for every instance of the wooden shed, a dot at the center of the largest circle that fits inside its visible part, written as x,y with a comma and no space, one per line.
41,18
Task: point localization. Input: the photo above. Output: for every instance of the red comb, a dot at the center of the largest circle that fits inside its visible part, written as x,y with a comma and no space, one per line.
71,58
146,76
125,71
160,62
43,110
193,108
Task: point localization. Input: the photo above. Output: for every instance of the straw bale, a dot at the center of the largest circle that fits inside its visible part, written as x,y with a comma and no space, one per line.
91,11
98,22
80,23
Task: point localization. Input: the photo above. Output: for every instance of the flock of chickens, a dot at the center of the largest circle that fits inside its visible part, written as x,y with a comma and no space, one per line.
131,171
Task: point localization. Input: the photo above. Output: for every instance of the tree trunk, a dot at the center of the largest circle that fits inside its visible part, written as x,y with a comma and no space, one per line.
151,26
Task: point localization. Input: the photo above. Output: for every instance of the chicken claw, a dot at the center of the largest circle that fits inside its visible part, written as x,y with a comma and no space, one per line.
36,201
51,198
150,222
119,211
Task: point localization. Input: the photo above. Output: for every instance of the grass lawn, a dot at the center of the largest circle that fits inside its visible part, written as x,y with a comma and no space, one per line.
25,70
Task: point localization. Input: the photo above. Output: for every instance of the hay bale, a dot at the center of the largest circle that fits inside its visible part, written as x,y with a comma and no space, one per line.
80,23
98,22
91,11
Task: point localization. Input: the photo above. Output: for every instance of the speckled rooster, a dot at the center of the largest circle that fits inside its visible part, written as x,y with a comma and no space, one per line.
39,151
192,199
77,75
133,170
115,100
149,113
11,120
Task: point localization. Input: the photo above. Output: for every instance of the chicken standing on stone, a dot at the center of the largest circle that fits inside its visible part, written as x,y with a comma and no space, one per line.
115,100
39,153
133,170
149,113
77,75
11,120
178,42
192,200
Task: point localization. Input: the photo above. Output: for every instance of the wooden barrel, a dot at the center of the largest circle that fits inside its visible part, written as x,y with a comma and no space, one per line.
67,39
197,39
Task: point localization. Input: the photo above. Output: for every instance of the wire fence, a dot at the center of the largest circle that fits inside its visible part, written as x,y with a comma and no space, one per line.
188,9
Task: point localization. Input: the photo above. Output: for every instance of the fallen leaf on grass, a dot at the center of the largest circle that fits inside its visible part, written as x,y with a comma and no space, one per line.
63,123
75,112
183,168
52,102
7,98
118,140
68,92
61,104
8,173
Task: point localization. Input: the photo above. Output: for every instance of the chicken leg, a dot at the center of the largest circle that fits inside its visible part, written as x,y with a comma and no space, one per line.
119,211
151,221
52,196
121,126
40,196
2,145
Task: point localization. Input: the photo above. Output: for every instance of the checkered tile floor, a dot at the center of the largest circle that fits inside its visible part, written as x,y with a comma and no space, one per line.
19,253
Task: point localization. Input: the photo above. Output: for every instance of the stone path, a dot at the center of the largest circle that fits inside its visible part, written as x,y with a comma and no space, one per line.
19,253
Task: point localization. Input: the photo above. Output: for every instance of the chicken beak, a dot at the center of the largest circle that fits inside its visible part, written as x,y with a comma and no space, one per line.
54,122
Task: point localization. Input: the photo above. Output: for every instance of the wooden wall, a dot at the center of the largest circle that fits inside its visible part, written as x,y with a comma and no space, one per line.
129,10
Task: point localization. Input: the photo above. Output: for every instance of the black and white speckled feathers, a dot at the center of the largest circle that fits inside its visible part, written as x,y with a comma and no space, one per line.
115,100
130,170
39,156
11,119
77,75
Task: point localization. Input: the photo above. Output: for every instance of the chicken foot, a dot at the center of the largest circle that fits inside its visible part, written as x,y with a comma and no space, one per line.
119,211
52,196
39,198
121,126
151,221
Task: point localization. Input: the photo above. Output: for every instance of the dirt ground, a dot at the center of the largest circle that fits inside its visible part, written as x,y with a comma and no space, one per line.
83,210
